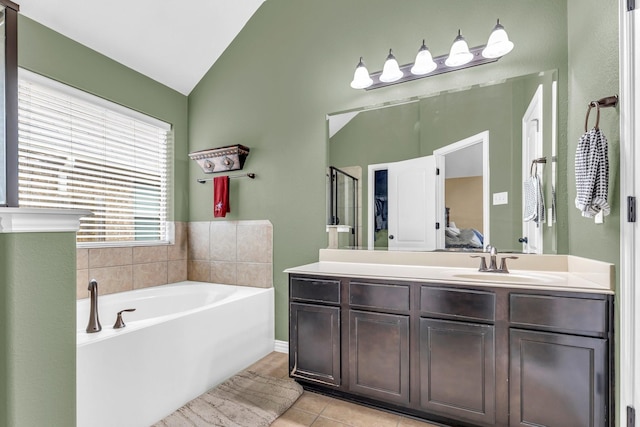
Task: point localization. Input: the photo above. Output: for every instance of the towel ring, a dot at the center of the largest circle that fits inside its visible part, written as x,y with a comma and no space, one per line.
534,165
609,101
586,120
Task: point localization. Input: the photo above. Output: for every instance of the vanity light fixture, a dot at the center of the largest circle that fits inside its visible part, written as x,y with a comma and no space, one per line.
361,79
459,53
460,57
498,44
424,63
391,70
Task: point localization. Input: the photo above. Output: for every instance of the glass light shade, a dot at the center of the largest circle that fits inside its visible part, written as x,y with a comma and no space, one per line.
424,63
361,78
391,70
498,44
459,53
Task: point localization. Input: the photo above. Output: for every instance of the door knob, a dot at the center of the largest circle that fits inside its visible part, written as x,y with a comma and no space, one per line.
523,240
391,236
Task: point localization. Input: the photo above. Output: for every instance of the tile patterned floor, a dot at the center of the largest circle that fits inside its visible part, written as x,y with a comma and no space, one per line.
316,410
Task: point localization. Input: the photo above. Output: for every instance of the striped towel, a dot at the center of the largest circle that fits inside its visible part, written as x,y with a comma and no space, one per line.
592,174
533,200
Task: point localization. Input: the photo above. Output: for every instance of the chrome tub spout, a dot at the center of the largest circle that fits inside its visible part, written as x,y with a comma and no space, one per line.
94,321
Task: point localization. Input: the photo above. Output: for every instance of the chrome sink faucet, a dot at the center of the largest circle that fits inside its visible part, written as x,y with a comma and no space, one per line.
493,264
94,321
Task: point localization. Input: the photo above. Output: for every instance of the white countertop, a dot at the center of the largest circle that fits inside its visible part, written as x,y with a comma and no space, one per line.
574,281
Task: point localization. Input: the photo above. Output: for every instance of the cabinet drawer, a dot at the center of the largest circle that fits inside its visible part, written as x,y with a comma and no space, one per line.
457,303
565,314
379,295
319,290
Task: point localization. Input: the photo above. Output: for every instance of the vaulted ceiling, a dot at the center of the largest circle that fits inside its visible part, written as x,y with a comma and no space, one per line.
172,42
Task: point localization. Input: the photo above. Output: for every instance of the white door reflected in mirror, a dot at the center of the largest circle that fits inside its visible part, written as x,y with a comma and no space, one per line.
402,202
532,206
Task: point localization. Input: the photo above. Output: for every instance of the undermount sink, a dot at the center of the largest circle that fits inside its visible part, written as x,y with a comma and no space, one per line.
531,278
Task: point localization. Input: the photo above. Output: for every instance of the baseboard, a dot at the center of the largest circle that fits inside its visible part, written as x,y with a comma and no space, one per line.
281,346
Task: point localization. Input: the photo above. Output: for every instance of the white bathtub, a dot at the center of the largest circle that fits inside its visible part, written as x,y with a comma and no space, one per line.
182,340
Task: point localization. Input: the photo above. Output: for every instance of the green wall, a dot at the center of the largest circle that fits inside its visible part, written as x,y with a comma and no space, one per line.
38,337
593,74
587,83
292,64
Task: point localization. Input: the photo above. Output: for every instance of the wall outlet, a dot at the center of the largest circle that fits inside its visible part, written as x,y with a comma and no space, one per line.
500,198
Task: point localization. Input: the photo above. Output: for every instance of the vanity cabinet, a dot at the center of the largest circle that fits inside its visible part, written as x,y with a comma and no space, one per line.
457,357
314,330
463,355
379,341
559,360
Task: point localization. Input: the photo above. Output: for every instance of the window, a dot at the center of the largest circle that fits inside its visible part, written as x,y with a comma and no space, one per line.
80,151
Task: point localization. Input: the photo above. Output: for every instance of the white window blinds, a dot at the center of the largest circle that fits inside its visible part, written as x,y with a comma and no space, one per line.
79,151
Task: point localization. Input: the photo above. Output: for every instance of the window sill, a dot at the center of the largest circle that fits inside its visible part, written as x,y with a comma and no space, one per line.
32,220
123,244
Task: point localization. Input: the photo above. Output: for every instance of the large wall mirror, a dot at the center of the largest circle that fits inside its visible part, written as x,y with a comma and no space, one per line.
483,144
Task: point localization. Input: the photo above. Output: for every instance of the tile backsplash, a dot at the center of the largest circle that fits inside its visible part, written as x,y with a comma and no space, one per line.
122,269
230,252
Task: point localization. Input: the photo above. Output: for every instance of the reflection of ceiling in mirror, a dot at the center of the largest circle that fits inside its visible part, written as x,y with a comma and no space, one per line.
464,162
339,121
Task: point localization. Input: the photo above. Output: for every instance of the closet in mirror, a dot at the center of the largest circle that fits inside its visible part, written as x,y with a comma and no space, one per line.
446,171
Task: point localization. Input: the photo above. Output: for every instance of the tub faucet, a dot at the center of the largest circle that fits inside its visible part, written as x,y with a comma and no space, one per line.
94,321
119,322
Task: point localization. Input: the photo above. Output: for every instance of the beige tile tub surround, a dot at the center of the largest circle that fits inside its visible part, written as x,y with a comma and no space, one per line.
120,269
231,252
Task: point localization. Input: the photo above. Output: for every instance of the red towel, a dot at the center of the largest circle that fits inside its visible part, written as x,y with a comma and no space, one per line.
221,196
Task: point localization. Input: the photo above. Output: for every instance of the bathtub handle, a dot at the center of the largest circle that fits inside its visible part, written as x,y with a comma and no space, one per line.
119,322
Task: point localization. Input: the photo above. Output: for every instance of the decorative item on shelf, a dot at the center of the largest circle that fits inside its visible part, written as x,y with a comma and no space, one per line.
460,57
221,159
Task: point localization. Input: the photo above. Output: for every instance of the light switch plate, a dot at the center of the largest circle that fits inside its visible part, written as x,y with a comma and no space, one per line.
500,198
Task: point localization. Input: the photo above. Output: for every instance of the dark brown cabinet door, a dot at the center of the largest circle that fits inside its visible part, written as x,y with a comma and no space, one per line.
457,370
314,338
379,356
557,380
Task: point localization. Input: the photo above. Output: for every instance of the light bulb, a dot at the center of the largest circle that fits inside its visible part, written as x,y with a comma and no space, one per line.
361,78
498,44
459,53
391,70
424,63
